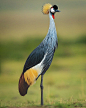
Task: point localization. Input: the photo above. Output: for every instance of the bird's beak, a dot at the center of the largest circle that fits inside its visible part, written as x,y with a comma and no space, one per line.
58,10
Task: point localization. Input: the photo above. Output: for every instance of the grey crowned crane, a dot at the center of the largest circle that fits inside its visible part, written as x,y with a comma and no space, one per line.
41,57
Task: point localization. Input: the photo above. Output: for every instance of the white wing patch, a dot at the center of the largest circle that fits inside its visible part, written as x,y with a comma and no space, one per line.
39,66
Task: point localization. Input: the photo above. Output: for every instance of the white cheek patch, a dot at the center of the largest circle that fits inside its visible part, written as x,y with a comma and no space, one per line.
52,10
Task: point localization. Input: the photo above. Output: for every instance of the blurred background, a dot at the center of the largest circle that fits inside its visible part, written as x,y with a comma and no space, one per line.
22,27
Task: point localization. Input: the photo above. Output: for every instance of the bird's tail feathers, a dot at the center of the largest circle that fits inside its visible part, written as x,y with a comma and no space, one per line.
23,86
27,79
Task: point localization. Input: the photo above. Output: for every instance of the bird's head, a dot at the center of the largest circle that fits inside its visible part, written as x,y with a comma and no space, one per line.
49,8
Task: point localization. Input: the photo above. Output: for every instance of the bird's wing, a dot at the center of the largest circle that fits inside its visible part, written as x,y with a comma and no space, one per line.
35,57
48,60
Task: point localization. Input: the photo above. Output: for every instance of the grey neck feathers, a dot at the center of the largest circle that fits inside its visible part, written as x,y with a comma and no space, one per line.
52,29
51,32
52,24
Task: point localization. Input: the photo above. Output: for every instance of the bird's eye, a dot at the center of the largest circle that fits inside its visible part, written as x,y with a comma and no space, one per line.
52,10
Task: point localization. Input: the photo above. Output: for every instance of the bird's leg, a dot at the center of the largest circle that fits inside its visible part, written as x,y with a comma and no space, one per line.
41,86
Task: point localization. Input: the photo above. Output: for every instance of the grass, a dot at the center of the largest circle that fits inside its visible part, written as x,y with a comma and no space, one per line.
17,50
64,82
63,88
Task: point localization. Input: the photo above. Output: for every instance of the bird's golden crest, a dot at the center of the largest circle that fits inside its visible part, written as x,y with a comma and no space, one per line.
46,8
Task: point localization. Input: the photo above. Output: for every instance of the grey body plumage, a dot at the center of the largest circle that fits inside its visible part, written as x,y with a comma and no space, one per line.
48,45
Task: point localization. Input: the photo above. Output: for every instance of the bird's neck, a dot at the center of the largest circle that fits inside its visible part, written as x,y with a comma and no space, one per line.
52,23
51,38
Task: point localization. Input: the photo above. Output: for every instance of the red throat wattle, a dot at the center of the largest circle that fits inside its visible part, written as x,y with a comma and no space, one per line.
53,16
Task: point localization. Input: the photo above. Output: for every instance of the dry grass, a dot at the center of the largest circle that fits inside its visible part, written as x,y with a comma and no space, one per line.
18,24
